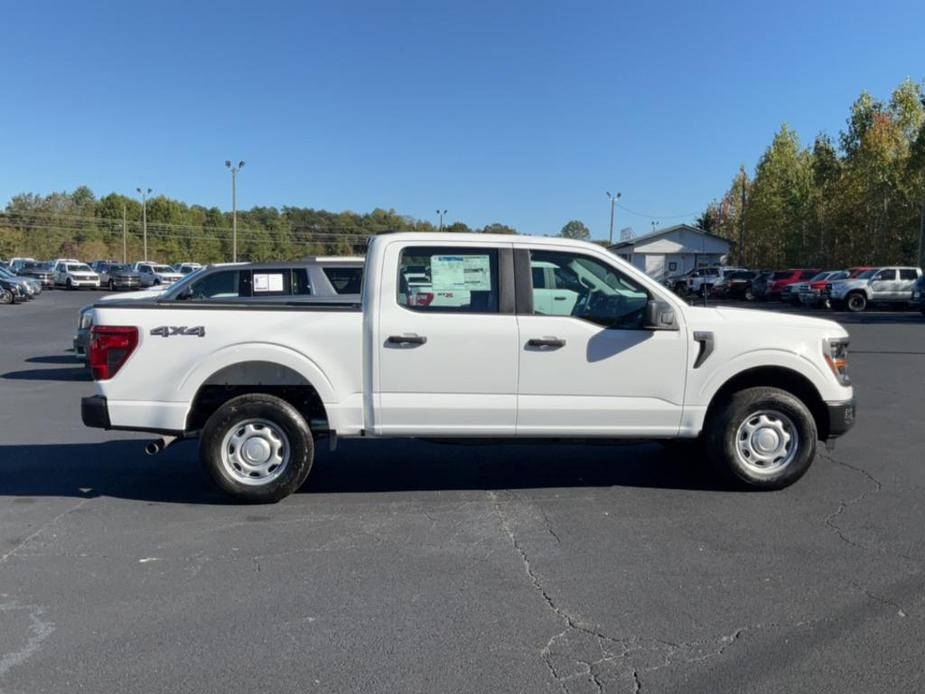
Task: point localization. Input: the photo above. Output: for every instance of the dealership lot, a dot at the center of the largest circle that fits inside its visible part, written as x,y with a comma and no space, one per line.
409,566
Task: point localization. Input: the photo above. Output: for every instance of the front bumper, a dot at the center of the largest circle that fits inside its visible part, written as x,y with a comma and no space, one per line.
841,417
95,412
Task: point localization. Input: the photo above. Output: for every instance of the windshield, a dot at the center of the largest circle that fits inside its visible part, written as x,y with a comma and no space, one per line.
161,268
867,274
840,275
114,268
821,276
79,268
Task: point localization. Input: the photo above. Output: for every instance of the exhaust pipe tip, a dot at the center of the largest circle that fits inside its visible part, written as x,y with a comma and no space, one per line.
154,447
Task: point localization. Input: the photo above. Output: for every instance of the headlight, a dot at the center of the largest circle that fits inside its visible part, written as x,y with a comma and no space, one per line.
835,351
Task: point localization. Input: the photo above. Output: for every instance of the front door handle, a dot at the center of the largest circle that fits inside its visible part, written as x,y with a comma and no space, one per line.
551,342
406,340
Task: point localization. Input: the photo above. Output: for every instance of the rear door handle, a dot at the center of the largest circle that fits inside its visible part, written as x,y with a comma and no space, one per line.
552,342
406,339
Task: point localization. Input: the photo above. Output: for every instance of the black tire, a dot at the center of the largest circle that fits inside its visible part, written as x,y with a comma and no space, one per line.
68,284
856,302
6,296
112,285
279,413
749,294
721,442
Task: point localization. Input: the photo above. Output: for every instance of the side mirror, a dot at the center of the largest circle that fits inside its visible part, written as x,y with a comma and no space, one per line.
660,316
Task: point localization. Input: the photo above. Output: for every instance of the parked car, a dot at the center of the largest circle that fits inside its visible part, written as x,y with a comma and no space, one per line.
701,281
39,271
115,275
918,294
11,292
812,292
678,282
782,281
186,268
16,264
886,285
75,275
756,288
628,359
735,284
30,287
155,274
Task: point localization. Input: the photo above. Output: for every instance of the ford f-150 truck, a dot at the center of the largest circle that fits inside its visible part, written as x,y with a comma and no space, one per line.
535,338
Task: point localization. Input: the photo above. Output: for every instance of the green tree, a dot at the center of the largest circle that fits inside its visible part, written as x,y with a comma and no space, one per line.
575,229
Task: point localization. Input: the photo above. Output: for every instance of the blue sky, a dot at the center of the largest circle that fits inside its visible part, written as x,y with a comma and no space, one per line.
519,112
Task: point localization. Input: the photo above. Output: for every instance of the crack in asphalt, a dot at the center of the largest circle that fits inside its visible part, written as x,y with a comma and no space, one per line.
629,658
830,520
38,531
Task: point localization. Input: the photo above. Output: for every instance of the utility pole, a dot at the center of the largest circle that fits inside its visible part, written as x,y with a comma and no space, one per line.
922,230
144,218
742,223
613,202
234,207
441,213
124,244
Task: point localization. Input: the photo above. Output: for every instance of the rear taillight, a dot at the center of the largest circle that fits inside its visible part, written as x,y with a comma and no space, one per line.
110,348
423,298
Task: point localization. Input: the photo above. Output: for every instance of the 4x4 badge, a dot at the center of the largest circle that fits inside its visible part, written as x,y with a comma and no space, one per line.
170,330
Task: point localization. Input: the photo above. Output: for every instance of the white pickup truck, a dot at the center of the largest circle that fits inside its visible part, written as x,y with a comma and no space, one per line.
605,354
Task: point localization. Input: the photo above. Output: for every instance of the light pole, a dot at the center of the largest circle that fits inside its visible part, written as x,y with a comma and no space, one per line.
613,202
144,218
441,213
234,207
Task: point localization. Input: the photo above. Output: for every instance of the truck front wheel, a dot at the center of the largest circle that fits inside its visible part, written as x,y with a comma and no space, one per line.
764,438
257,448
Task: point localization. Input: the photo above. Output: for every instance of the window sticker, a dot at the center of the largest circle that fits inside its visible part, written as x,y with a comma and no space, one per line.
268,282
460,273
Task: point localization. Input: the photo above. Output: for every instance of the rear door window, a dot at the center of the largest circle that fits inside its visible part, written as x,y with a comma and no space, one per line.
435,279
907,273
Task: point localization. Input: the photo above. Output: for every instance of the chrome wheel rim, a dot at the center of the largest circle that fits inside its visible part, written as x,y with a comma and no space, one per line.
255,452
856,302
767,441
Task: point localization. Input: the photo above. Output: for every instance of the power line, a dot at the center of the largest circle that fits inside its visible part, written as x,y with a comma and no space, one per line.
657,216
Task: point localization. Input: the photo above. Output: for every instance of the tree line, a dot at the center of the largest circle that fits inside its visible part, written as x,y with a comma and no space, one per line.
78,224
854,200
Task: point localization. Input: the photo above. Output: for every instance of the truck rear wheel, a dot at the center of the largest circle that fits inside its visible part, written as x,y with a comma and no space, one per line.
762,438
257,448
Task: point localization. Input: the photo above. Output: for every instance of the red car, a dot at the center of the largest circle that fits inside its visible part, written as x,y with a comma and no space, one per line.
784,278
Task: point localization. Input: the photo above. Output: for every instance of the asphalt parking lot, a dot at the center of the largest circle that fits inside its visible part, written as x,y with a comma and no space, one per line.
408,566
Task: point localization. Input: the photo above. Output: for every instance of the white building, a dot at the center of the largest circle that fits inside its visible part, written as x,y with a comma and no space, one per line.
673,250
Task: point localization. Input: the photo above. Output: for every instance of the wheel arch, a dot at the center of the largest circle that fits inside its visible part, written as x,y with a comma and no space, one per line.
775,376
257,376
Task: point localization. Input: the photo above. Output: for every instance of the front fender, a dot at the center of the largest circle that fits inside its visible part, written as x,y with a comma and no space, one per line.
824,384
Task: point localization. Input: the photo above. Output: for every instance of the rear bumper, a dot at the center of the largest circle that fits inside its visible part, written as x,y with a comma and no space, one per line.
841,417
94,411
